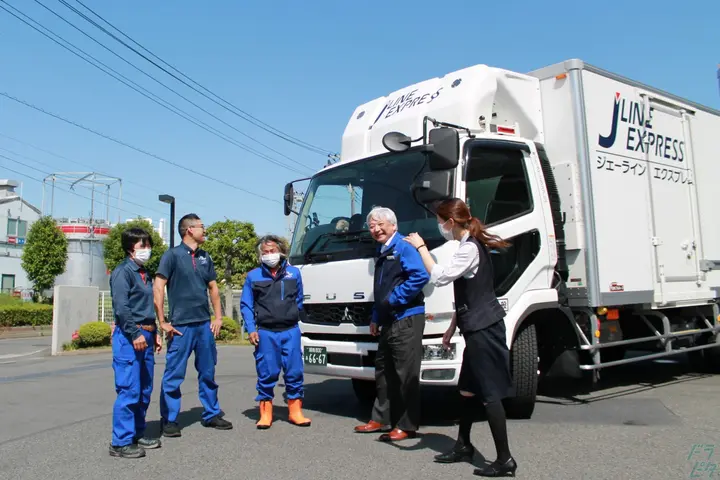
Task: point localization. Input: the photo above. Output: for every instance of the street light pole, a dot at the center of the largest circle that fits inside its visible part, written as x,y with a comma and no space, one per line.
170,200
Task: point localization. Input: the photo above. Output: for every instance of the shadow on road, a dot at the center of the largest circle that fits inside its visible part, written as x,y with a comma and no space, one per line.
619,381
185,419
439,443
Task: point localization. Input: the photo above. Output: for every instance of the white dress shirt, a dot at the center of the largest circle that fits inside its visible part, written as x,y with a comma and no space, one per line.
386,244
464,263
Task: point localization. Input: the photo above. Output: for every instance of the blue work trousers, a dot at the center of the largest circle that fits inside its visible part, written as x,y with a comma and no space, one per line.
196,338
274,351
134,372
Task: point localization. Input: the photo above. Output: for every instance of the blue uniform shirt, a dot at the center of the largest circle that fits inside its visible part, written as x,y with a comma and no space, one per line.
400,276
272,303
188,274
131,290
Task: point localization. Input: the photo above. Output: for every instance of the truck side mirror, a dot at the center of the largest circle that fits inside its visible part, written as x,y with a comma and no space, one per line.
445,148
288,198
433,186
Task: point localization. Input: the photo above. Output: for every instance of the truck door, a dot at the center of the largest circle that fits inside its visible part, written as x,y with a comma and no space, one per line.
673,200
503,188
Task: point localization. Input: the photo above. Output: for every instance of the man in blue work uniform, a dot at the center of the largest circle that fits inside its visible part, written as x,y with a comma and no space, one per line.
271,306
134,341
399,319
189,273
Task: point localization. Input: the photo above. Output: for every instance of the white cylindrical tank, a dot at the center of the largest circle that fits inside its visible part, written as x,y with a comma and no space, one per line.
85,266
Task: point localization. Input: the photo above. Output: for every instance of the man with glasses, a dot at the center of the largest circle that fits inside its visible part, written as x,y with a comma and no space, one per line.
189,273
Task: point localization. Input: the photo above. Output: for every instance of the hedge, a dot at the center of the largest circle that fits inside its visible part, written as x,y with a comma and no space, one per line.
26,314
229,331
94,334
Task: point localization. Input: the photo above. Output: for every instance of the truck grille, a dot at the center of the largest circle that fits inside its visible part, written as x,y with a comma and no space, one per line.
359,314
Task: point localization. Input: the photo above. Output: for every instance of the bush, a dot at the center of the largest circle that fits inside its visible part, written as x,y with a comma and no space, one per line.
230,330
25,315
94,334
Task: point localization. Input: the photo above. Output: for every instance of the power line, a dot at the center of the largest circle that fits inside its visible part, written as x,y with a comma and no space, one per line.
146,93
48,173
235,110
67,191
150,76
55,154
144,152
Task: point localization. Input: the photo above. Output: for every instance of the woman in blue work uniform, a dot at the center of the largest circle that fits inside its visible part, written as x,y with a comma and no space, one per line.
485,372
134,343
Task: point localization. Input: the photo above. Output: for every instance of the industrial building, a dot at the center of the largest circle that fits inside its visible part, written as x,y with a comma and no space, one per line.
85,266
16,218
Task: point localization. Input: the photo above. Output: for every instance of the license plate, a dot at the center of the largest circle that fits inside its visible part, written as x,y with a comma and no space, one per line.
315,355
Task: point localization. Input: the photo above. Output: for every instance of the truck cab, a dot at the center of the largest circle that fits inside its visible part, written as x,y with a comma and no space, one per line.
442,138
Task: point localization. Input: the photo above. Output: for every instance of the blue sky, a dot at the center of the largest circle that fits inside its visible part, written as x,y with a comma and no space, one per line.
301,67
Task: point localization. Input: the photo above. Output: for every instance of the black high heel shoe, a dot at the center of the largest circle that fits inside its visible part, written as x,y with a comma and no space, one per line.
465,453
496,469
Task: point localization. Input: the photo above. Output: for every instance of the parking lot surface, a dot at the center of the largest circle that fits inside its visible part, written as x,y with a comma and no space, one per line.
55,424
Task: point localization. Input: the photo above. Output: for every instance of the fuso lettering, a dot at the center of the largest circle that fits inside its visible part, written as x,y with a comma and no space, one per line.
640,137
405,101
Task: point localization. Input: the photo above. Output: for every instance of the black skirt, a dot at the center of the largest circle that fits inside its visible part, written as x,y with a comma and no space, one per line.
485,369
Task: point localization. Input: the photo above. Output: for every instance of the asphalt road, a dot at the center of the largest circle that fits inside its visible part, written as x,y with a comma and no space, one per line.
55,424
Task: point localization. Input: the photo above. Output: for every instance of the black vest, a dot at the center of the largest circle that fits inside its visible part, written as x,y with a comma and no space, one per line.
476,306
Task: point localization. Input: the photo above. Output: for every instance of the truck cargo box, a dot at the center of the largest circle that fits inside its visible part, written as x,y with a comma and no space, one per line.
637,170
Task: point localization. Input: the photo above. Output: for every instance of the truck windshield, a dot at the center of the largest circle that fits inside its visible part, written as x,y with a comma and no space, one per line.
332,224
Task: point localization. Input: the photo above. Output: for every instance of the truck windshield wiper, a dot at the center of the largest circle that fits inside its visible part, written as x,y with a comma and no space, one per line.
343,237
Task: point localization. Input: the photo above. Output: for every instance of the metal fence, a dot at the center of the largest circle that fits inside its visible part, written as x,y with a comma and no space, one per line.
105,310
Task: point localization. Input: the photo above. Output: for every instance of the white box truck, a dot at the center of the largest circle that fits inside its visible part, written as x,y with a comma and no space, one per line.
606,189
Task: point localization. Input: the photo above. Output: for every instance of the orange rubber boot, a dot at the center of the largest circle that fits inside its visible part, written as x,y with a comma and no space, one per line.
266,408
295,413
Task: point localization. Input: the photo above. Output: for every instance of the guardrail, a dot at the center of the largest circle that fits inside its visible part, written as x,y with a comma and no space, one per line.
105,310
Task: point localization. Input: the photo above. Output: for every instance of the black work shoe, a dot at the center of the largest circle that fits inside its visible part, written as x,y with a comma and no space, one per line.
218,423
457,454
127,451
148,443
171,429
497,469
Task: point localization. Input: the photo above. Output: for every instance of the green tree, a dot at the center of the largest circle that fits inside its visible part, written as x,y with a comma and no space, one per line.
45,254
114,253
231,244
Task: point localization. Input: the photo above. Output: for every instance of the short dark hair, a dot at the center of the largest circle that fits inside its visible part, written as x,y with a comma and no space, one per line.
131,236
184,223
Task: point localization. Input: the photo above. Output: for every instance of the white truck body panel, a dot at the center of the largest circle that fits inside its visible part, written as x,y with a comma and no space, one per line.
460,97
646,242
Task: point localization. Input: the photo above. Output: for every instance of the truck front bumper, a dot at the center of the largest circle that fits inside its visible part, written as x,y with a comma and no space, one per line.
348,359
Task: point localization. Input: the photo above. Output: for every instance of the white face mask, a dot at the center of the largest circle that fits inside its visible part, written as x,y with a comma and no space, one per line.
142,255
271,259
447,234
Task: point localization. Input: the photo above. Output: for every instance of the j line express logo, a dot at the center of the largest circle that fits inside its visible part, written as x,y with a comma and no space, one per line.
631,116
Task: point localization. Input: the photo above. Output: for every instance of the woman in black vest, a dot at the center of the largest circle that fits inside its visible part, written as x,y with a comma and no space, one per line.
485,371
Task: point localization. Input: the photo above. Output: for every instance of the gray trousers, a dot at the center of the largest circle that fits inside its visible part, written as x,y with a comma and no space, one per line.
397,374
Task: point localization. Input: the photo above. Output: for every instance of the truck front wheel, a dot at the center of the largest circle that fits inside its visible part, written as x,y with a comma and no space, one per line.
364,390
524,369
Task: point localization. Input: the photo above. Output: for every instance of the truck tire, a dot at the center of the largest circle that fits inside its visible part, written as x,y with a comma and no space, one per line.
364,390
524,368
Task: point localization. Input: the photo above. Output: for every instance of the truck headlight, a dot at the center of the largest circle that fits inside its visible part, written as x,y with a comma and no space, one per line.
438,352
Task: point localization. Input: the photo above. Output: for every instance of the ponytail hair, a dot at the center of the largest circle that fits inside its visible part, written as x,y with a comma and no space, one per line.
460,213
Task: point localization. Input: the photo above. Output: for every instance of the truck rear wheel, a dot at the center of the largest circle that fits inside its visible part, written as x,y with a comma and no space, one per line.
524,369
364,390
